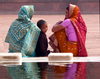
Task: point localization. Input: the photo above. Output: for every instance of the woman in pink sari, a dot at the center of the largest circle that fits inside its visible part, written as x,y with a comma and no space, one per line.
75,30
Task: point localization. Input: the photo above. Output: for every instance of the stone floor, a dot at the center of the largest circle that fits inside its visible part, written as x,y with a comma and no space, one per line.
92,43
92,22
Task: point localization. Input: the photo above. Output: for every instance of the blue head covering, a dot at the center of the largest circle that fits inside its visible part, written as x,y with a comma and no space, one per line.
26,12
23,34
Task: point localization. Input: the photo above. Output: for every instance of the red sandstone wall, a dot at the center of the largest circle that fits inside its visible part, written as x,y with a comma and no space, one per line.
49,6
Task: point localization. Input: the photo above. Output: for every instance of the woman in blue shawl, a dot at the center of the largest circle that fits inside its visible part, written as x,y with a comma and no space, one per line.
22,37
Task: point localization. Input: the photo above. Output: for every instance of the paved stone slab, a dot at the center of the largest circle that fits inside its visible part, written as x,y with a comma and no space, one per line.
92,44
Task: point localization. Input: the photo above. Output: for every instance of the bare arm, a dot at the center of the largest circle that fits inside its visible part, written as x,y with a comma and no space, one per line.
57,27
